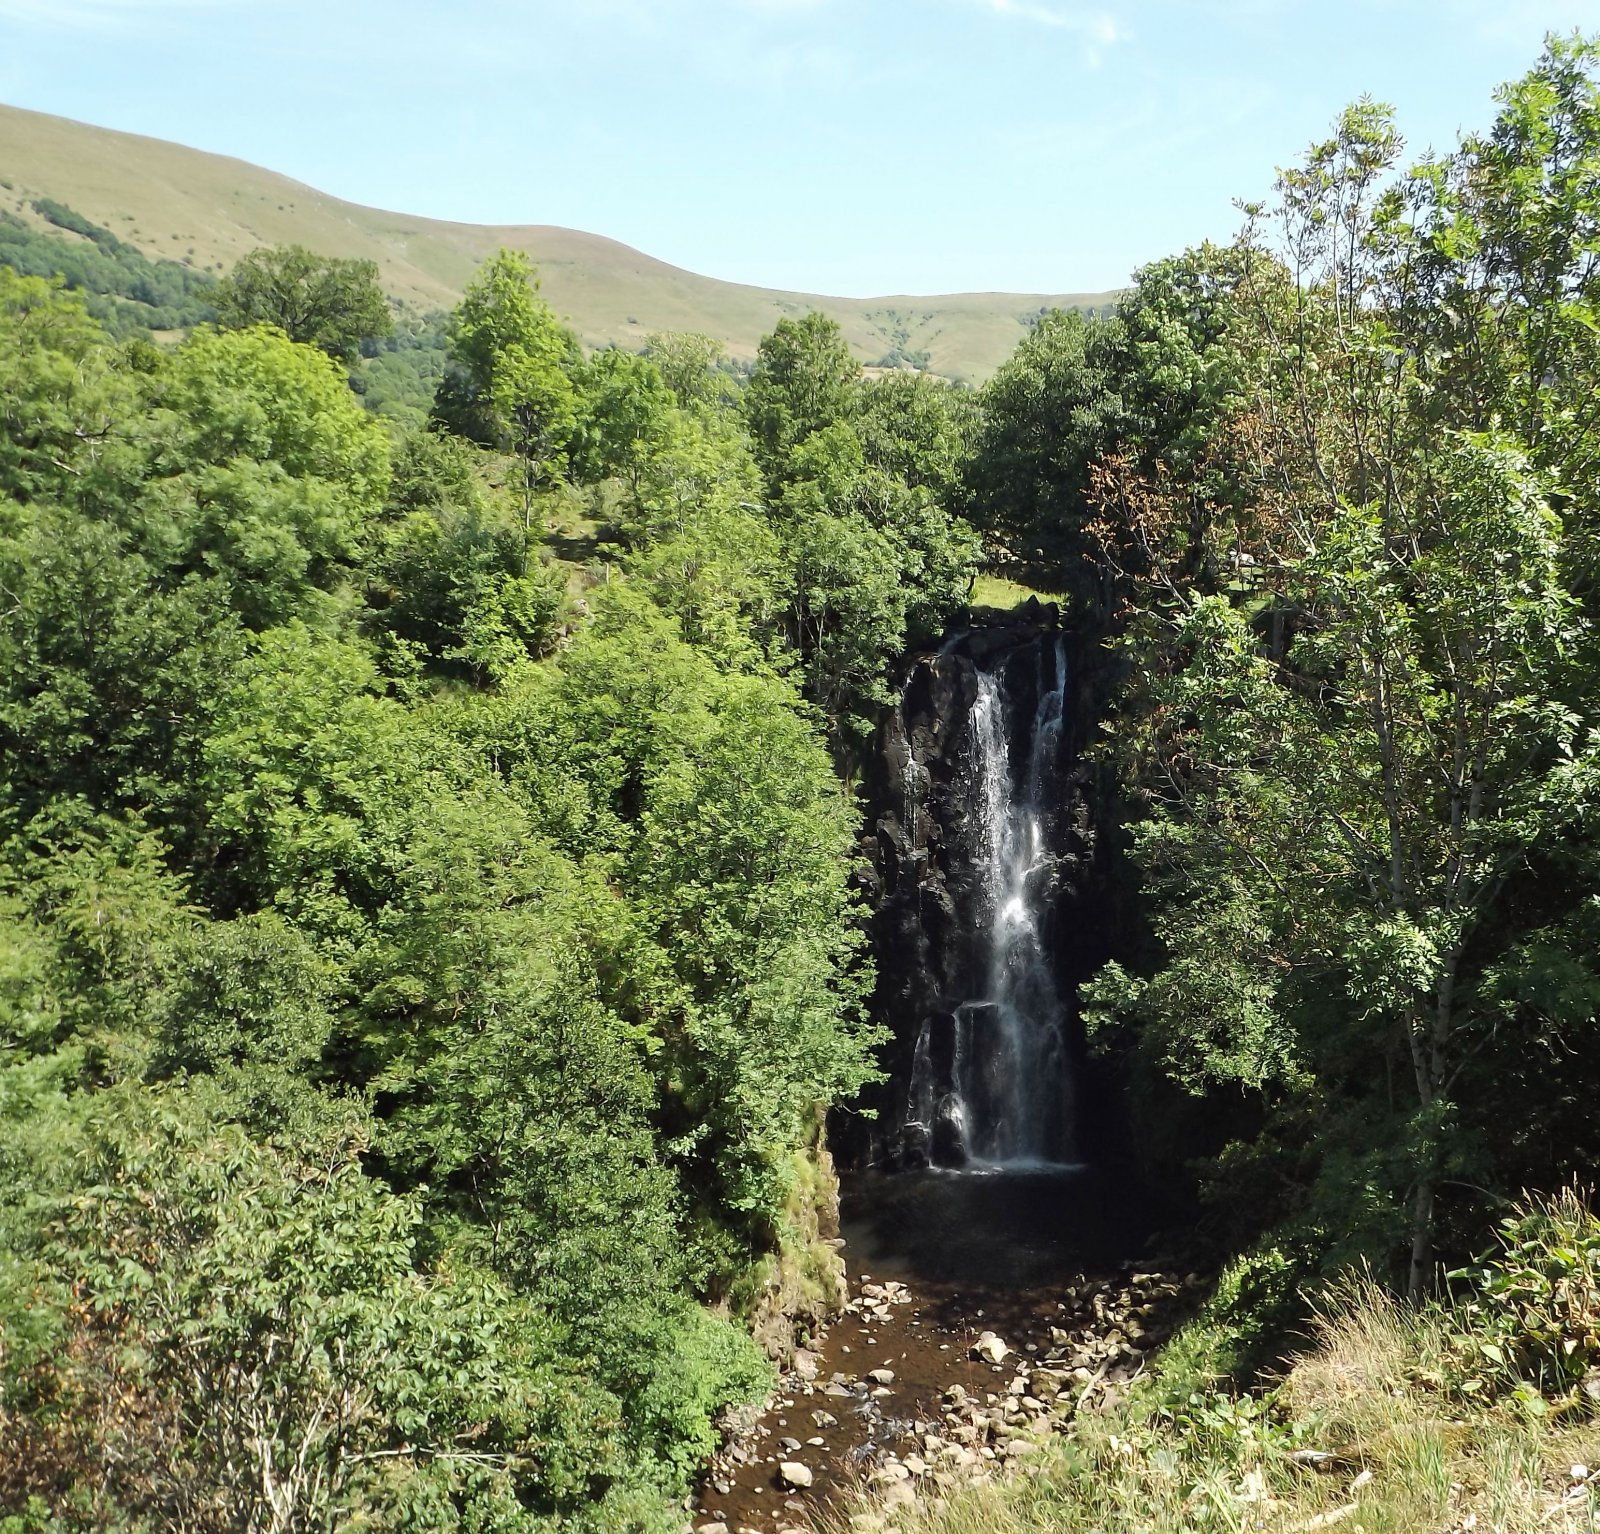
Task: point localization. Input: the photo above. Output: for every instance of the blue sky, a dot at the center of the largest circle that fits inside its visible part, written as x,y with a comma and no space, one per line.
840,146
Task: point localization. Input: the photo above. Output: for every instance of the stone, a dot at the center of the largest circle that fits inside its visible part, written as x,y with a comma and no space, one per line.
990,1348
711,1528
792,1473
805,1364
824,1419
881,1376
789,1445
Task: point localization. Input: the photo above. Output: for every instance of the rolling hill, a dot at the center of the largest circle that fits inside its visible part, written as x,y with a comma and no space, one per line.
208,210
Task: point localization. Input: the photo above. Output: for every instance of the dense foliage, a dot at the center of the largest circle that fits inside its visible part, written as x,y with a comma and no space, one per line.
1337,500
128,292
427,948
423,959
333,304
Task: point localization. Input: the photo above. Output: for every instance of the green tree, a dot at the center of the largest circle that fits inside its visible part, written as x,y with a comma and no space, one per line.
66,399
249,1345
453,578
875,561
694,367
804,380
723,574
1049,414
508,383
700,467
623,419
919,429
1359,743
334,304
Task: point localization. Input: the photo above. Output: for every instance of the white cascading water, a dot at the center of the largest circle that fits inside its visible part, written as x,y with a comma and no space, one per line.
1008,1097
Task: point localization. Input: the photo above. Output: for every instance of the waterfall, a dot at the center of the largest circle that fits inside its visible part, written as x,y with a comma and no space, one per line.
1001,1094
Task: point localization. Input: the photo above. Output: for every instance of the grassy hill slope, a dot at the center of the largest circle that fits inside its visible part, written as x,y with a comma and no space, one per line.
208,210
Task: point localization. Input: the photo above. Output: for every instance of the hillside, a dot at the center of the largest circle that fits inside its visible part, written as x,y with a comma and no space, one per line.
208,210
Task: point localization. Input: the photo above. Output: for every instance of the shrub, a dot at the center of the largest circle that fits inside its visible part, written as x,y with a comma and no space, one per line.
1533,1322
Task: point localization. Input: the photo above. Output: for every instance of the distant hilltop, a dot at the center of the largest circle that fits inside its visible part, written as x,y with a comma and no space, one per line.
207,210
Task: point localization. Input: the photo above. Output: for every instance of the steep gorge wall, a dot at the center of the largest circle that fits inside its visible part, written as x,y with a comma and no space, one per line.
925,887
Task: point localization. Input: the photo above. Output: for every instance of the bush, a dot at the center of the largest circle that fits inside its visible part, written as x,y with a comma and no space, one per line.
1533,1322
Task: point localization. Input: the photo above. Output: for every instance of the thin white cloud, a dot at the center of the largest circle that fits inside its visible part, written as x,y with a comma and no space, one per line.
1098,29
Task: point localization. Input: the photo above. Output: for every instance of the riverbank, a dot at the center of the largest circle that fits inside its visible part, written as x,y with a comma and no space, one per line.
1476,1411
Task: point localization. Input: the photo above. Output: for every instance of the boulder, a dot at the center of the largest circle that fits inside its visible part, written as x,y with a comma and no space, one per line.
792,1473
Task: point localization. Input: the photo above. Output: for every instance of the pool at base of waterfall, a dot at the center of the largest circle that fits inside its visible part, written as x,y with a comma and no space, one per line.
997,1228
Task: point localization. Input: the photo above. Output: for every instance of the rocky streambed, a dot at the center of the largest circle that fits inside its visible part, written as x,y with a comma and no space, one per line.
932,1379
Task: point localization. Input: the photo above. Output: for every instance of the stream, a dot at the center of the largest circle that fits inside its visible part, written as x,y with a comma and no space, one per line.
936,1260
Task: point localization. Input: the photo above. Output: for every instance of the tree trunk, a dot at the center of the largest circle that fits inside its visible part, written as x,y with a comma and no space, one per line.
1420,1279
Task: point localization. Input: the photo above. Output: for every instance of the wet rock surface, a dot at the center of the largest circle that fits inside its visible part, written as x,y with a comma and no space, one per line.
930,880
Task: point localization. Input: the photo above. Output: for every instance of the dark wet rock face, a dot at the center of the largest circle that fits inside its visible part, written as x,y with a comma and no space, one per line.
987,886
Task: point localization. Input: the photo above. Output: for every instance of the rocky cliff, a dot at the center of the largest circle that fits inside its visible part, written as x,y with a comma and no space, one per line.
925,883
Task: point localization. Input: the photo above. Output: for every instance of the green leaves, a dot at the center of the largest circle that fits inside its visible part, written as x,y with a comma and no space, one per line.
252,1331
802,383
256,395
332,304
1359,717
391,1067
508,381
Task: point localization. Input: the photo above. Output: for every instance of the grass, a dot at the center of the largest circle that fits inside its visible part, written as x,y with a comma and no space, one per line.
166,198
1002,595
